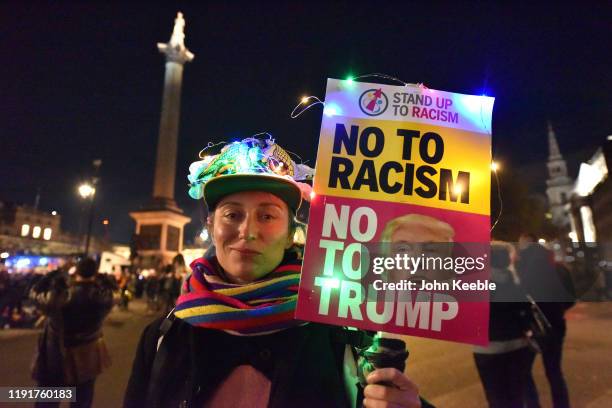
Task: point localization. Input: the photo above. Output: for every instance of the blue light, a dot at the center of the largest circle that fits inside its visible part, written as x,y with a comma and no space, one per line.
475,110
22,263
331,109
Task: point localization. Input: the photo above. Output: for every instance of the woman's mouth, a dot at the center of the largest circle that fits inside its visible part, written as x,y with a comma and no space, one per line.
245,251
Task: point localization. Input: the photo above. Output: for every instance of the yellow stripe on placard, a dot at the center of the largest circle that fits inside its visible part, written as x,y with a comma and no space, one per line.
412,163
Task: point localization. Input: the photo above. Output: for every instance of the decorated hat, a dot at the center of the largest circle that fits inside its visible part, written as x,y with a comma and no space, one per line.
253,164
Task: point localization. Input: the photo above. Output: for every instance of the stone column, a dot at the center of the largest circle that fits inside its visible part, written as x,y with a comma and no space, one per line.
160,224
165,169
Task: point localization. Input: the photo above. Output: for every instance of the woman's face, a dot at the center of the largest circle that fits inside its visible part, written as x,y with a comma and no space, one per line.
250,231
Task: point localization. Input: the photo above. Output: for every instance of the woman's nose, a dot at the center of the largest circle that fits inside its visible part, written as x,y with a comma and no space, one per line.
248,228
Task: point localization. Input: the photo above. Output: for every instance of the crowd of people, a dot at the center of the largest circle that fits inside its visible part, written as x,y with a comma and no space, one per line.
160,288
70,305
17,311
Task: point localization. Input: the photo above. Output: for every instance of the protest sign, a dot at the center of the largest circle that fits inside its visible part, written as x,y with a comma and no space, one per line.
397,163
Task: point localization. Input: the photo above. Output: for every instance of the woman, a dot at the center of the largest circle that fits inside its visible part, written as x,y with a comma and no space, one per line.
232,340
504,365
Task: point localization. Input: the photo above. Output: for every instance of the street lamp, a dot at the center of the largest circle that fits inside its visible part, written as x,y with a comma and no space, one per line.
88,191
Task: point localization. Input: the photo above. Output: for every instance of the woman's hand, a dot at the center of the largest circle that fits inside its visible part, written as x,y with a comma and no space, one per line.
401,391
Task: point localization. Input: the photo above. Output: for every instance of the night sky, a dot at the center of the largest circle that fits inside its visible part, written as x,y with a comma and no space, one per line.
84,81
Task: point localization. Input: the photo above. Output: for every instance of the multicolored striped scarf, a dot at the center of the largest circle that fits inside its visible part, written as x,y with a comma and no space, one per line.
253,309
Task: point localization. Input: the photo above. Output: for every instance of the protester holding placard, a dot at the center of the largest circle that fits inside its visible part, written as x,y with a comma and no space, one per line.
232,339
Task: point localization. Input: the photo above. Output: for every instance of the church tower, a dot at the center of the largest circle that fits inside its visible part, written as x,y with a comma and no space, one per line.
559,185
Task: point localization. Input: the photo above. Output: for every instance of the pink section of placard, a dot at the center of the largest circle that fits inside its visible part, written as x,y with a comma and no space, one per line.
468,227
469,325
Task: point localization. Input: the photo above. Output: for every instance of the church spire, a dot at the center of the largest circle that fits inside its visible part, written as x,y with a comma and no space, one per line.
559,185
553,147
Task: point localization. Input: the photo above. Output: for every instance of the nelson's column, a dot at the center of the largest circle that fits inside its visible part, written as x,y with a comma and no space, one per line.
159,225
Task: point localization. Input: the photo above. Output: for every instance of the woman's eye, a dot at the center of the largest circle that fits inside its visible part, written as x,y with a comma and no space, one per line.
267,217
231,215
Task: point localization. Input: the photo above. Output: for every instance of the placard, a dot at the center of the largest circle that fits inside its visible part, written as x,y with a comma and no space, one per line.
399,164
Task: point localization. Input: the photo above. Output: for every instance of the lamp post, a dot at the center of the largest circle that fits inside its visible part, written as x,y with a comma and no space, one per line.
87,190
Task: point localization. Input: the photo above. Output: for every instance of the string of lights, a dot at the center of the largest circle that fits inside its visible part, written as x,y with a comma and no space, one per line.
270,137
208,146
304,101
388,77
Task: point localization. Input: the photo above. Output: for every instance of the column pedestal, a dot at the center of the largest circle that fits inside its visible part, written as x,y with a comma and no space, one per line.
160,235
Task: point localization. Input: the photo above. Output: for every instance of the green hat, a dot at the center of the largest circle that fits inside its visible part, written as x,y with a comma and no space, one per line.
249,165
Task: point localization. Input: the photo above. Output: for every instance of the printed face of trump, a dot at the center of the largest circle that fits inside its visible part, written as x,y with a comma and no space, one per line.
420,236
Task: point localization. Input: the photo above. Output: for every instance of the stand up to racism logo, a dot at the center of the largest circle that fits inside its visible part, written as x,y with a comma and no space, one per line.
373,102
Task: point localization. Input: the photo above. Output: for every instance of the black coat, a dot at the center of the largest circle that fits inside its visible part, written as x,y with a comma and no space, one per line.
547,282
509,311
304,365
77,308
75,313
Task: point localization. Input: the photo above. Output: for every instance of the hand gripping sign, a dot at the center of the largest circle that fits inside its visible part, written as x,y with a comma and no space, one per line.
406,166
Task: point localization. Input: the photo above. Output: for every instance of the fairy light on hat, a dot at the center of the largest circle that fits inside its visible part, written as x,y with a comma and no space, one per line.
269,167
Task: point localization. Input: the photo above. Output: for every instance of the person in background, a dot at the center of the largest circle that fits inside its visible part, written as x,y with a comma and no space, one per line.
539,277
124,293
152,291
170,288
180,269
71,349
504,365
5,297
179,274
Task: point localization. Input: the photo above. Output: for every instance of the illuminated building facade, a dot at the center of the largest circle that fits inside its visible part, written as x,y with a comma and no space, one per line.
25,229
591,218
28,222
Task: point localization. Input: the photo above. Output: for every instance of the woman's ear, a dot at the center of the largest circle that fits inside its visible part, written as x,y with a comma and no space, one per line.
209,225
290,242
291,235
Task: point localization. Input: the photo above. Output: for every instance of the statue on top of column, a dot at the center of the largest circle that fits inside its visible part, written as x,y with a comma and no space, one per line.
178,33
175,49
